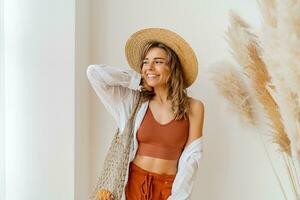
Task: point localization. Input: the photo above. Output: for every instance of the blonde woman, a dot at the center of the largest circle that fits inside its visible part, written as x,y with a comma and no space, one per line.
167,142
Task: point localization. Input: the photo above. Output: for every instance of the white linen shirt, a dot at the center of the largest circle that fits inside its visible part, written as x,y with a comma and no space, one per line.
117,88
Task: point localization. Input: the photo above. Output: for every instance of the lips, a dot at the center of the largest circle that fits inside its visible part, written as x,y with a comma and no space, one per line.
152,76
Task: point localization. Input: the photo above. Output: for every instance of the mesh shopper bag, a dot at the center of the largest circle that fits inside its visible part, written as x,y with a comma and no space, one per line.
112,176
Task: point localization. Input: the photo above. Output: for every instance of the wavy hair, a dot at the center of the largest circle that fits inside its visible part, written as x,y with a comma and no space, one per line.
177,93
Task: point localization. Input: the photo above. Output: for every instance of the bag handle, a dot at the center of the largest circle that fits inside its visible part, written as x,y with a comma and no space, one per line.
137,104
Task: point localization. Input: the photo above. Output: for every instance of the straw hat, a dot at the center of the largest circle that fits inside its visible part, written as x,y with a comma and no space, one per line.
137,41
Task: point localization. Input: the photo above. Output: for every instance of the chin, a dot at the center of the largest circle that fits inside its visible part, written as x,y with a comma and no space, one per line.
152,84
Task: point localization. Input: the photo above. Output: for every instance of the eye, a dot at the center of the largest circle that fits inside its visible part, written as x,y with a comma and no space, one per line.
159,62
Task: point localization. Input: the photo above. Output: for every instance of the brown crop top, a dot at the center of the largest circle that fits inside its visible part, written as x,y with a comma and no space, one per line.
165,141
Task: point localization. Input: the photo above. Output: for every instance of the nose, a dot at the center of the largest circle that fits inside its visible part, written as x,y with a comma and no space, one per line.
149,66
152,64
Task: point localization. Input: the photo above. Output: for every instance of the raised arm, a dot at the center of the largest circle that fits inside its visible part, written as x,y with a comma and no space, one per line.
116,87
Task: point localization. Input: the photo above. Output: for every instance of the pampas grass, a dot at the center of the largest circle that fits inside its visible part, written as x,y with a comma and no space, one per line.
231,85
271,61
246,51
282,57
268,11
283,63
288,30
282,41
234,89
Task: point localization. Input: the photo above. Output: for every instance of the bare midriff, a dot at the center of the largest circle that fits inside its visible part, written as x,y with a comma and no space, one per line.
156,165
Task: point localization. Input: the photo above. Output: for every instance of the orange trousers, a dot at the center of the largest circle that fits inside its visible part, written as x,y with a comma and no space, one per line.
144,185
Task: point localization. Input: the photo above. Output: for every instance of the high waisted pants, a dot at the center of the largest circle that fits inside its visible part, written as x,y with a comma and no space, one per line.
144,185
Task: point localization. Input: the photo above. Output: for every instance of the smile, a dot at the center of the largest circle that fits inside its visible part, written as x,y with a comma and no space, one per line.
152,76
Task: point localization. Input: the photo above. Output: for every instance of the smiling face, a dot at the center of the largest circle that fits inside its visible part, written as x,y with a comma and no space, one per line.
160,68
155,68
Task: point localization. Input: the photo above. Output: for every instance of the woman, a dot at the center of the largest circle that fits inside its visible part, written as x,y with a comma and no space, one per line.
168,127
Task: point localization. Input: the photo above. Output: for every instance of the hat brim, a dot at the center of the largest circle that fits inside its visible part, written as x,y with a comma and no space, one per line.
135,44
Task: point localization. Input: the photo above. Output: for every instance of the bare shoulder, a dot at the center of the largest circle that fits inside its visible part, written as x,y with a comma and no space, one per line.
196,107
196,118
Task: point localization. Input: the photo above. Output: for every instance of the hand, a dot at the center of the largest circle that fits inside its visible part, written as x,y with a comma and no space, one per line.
104,194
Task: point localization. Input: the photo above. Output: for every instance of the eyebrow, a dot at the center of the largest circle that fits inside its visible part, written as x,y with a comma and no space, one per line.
156,58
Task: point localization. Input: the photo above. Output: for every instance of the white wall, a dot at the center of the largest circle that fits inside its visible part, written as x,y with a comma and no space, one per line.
40,83
235,165
82,104
2,107
47,101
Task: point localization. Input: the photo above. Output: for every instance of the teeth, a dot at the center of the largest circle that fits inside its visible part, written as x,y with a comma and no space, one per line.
151,76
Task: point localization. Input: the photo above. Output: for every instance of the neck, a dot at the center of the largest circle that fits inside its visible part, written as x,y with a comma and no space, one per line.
161,95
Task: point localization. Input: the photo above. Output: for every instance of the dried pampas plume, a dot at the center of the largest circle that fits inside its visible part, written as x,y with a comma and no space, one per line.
271,61
240,37
230,84
268,11
282,57
281,42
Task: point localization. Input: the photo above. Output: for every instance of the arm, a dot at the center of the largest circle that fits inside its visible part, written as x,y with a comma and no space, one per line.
191,157
116,87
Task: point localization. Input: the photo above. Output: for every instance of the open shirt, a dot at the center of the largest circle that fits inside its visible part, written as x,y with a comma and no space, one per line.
117,87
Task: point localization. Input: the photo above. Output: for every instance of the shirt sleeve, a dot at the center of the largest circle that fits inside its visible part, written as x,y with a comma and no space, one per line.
187,170
117,88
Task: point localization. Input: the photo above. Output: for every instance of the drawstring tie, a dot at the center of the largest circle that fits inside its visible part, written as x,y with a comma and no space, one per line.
146,188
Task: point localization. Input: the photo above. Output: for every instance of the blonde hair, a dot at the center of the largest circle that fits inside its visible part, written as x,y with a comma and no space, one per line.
177,93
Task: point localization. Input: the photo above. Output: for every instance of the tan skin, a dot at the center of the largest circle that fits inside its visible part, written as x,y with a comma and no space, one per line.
155,64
